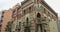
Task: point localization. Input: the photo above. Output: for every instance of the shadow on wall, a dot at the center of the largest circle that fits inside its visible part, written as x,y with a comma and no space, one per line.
58,24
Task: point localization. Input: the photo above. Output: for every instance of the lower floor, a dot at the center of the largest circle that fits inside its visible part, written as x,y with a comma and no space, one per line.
35,27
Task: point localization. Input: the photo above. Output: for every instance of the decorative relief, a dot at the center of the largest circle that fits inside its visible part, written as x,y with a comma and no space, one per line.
37,7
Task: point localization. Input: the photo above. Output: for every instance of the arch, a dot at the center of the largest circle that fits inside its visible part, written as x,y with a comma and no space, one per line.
27,28
38,15
27,19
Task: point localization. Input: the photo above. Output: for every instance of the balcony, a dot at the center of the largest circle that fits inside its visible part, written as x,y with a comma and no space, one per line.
44,21
27,25
41,21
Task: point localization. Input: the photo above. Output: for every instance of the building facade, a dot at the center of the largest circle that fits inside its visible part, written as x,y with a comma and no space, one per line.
58,24
0,25
0,20
35,16
5,18
8,17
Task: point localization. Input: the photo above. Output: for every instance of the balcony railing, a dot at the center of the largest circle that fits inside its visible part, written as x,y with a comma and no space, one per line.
41,21
27,25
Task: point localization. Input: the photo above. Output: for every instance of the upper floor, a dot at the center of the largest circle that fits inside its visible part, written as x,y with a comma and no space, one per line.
28,6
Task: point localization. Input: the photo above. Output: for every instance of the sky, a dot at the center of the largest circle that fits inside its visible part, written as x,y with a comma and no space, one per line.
6,4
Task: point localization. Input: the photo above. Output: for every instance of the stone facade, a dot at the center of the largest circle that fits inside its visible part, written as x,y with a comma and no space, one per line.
58,24
35,16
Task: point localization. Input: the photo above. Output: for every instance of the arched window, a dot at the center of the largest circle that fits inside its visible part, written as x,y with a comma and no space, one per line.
27,28
38,15
27,19
38,26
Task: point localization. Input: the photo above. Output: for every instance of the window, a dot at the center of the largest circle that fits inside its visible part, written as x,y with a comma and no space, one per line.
14,12
2,16
27,19
27,28
0,25
45,11
29,9
18,27
24,12
48,14
39,28
38,15
1,21
38,18
19,23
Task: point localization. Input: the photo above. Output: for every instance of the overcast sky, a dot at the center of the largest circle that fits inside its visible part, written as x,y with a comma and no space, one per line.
6,4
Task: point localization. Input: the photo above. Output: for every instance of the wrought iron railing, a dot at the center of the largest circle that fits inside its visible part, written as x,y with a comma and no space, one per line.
41,21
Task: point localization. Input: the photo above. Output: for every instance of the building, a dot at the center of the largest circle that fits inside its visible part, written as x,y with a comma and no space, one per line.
58,24
0,14
7,18
35,16
15,11
0,25
0,20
